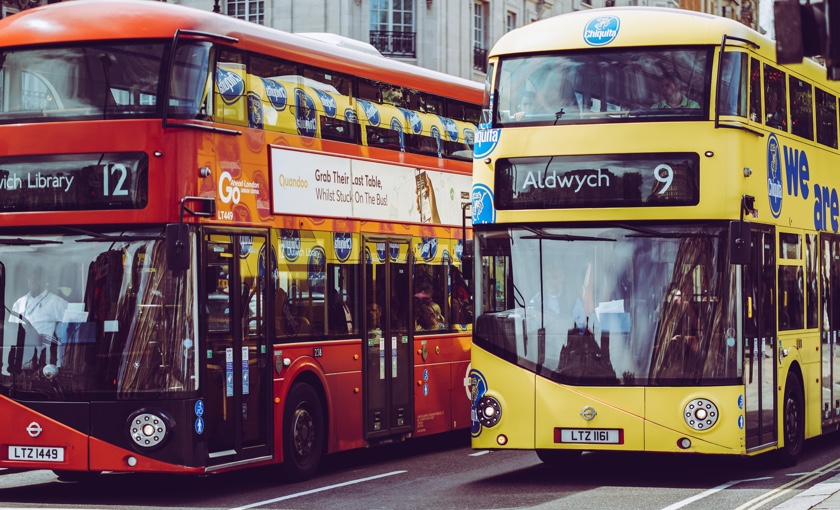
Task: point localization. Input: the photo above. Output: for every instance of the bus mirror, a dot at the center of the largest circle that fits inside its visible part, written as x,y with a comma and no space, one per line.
199,206
739,242
177,246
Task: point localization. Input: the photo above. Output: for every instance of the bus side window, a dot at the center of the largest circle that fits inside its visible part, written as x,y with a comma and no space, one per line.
801,108
755,91
230,101
826,118
733,93
775,98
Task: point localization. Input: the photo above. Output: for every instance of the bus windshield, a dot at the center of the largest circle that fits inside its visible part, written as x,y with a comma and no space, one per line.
95,316
603,85
99,81
620,306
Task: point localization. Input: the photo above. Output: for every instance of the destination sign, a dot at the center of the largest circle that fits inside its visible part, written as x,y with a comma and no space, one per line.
615,180
73,182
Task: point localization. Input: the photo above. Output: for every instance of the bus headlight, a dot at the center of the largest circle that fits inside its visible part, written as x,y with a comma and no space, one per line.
489,411
700,414
149,428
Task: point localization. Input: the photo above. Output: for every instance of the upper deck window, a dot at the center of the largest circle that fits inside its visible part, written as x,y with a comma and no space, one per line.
604,86
96,81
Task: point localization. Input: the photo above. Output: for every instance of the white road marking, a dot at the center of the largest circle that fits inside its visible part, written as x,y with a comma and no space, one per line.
321,489
692,499
479,454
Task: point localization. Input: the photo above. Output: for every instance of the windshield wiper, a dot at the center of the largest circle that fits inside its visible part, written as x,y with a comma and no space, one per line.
539,234
96,237
27,242
649,232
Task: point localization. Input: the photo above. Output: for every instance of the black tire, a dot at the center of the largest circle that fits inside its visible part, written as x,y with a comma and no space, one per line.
793,427
304,433
77,476
558,458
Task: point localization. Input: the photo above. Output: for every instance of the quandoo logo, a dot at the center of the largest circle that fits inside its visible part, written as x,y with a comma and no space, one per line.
305,113
601,31
774,175
290,244
428,248
255,111
276,93
482,205
371,112
343,245
328,102
231,86
450,127
486,141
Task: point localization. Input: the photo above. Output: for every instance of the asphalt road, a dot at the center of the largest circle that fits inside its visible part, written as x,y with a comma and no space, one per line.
444,473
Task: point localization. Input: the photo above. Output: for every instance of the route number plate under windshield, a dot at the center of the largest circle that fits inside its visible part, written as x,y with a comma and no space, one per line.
589,436
36,453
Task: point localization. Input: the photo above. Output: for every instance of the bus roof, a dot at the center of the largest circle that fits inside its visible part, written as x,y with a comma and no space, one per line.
639,26
110,20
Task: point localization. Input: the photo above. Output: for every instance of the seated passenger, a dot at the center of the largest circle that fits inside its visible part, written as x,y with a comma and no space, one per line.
672,95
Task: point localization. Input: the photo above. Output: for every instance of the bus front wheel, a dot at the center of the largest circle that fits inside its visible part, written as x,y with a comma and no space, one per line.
558,458
304,432
794,422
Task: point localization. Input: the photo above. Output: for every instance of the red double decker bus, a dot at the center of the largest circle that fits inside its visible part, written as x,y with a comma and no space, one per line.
222,245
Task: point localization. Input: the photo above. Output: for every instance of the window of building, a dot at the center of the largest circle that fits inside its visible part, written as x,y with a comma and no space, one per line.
248,10
392,27
510,21
479,24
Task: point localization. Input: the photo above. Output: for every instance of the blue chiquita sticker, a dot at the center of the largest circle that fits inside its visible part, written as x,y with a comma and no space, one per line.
482,205
485,142
327,102
276,94
255,111
290,244
305,113
478,387
231,85
774,175
343,245
601,31
371,112
428,248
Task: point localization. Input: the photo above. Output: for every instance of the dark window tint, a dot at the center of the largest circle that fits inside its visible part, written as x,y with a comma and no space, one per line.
801,108
826,118
775,104
755,91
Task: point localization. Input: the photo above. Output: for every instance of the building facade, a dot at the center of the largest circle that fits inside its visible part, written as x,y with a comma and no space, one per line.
451,36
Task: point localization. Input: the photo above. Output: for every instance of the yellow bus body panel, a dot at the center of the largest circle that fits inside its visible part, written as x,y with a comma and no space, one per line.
561,406
517,401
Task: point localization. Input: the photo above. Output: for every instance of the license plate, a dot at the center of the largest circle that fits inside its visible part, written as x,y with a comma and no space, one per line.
590,436
36,453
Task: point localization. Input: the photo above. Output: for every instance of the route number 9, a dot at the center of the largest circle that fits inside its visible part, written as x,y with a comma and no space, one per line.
665,179
120,172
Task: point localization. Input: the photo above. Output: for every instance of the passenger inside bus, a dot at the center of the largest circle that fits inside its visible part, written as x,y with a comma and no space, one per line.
671,91
43,310
526,106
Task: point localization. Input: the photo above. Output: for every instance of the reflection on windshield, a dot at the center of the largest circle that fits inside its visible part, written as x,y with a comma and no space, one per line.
635,310
603,86
102,318
104,81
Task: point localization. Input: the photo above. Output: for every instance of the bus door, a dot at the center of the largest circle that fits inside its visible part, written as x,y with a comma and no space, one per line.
233,294
389,326
830,306
759,315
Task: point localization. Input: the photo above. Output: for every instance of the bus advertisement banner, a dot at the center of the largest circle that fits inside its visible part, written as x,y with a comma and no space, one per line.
306,183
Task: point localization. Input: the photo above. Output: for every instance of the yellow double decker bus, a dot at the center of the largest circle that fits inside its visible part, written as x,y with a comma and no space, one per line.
656,220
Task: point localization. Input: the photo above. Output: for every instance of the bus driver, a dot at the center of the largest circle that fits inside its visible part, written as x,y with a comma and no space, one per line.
43,310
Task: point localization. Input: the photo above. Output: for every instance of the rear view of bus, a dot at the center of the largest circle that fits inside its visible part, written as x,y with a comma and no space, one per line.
639,285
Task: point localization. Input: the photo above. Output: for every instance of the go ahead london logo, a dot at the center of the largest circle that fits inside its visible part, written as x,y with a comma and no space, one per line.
601,31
